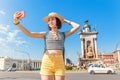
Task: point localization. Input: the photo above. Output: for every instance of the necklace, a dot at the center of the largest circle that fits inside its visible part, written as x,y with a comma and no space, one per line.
55,36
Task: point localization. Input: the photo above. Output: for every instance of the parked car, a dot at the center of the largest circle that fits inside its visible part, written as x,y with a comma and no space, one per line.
95,68
11,69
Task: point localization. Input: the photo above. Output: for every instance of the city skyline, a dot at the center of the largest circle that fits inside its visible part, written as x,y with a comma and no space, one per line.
102,14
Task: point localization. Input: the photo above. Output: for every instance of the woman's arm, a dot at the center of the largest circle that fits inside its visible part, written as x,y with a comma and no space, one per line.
17,17
74,25
31,34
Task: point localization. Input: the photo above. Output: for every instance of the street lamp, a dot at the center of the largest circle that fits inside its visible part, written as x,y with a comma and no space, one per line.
28,61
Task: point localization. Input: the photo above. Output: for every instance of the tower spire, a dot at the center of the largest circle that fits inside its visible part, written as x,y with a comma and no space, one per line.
86,27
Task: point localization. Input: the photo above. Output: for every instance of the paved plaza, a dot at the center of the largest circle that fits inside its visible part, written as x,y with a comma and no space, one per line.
69,76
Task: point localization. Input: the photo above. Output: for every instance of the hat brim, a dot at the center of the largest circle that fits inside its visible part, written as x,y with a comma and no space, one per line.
58,16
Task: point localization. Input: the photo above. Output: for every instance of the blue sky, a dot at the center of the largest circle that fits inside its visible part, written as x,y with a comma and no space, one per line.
103,14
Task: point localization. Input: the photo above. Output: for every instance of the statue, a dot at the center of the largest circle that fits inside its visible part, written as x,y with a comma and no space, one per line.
90,52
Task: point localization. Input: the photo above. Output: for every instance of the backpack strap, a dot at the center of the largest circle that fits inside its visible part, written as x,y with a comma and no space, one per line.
45,41
63,33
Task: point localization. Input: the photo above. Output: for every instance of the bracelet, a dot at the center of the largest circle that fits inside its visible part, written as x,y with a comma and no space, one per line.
16,22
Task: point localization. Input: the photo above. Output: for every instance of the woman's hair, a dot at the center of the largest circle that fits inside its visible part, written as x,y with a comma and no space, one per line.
58,23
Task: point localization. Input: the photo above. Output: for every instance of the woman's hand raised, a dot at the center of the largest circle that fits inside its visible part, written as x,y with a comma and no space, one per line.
19,15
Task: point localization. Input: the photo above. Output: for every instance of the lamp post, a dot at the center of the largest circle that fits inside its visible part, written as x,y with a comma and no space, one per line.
28,61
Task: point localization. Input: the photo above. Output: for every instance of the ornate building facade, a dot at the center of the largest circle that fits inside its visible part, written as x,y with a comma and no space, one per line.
20,64
89,49
88,42
108,59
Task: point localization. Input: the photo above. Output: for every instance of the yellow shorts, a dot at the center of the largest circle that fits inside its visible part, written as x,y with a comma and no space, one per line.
52,65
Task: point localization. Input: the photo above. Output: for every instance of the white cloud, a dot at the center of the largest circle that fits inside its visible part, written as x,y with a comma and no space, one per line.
9,39
2,12
8,35
12,35
4,29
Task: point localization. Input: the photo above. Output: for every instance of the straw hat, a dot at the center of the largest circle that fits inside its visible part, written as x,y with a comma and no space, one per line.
53,14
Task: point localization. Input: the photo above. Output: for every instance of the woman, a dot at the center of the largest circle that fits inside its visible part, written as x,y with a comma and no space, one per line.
52,67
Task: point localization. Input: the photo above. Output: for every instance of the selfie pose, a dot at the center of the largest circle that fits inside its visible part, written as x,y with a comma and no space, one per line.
52,67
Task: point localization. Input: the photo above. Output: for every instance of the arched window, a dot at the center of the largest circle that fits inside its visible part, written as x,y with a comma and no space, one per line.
14,65
88,43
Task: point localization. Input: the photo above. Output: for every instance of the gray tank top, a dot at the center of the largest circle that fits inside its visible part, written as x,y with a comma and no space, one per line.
51,44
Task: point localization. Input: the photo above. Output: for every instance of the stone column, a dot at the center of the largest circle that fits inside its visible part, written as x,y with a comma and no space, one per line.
82,50
96,51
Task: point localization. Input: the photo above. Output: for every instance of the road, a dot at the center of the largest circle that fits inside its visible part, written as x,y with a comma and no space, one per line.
86,76
69,76
19,76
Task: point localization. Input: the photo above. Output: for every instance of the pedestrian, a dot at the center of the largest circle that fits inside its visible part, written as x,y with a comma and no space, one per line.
52,67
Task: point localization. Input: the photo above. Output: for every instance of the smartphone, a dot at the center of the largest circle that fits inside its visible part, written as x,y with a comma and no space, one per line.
20,15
